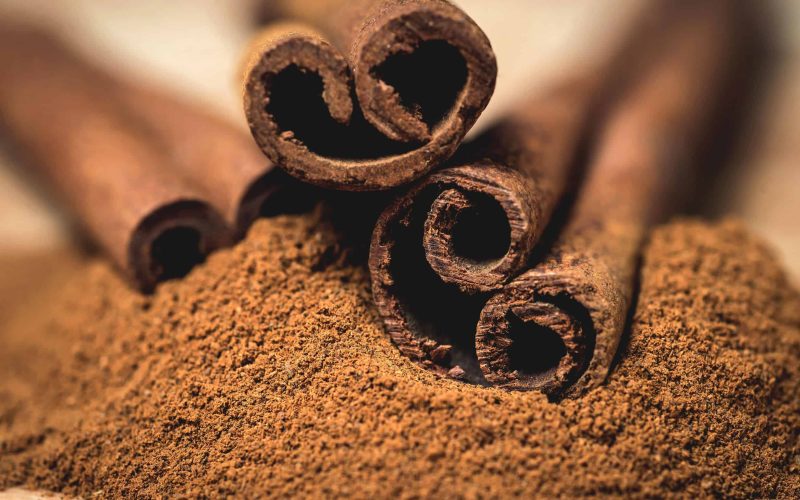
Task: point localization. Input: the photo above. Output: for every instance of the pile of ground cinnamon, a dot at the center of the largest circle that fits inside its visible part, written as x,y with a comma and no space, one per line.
266,371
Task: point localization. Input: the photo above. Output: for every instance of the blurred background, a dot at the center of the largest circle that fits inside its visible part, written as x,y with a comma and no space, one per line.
194,47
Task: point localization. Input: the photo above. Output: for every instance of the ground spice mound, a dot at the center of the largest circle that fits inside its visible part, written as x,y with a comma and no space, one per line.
265,371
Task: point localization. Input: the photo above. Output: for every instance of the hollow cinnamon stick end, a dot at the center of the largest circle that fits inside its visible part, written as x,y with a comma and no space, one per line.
277,57
481,227
448,51
422,72
170,241
526,343
575,306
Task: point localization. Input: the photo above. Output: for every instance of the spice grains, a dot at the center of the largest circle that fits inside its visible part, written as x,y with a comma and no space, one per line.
266,372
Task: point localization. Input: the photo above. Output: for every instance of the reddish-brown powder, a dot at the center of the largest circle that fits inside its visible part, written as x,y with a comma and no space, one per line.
265,372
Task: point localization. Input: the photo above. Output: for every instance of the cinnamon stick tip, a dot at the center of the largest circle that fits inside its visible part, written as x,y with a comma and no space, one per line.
437,37
480,229
528,341
172,239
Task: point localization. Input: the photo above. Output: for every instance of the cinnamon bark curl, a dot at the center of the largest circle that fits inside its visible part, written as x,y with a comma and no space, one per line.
366,94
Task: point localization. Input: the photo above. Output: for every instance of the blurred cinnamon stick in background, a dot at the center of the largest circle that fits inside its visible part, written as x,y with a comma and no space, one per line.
557,327
221,160
62,115
421,73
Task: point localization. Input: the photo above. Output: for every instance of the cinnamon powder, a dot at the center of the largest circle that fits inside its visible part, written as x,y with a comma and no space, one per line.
266,371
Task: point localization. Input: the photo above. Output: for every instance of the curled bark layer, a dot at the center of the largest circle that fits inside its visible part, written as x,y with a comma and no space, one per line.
366,94
580,294
62,115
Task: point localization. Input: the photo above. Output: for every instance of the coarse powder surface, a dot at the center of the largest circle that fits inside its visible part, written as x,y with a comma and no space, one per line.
266,372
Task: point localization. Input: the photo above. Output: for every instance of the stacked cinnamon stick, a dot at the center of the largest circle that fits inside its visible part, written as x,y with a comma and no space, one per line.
465,284
513,264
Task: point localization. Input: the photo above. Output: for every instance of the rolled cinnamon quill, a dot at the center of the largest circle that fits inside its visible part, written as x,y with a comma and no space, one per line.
556,328
467,230
366,94
62,115
216,156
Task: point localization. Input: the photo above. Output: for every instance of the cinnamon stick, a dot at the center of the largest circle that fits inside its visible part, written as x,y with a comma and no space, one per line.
469,229
366,94
64,117
556,328
220,159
